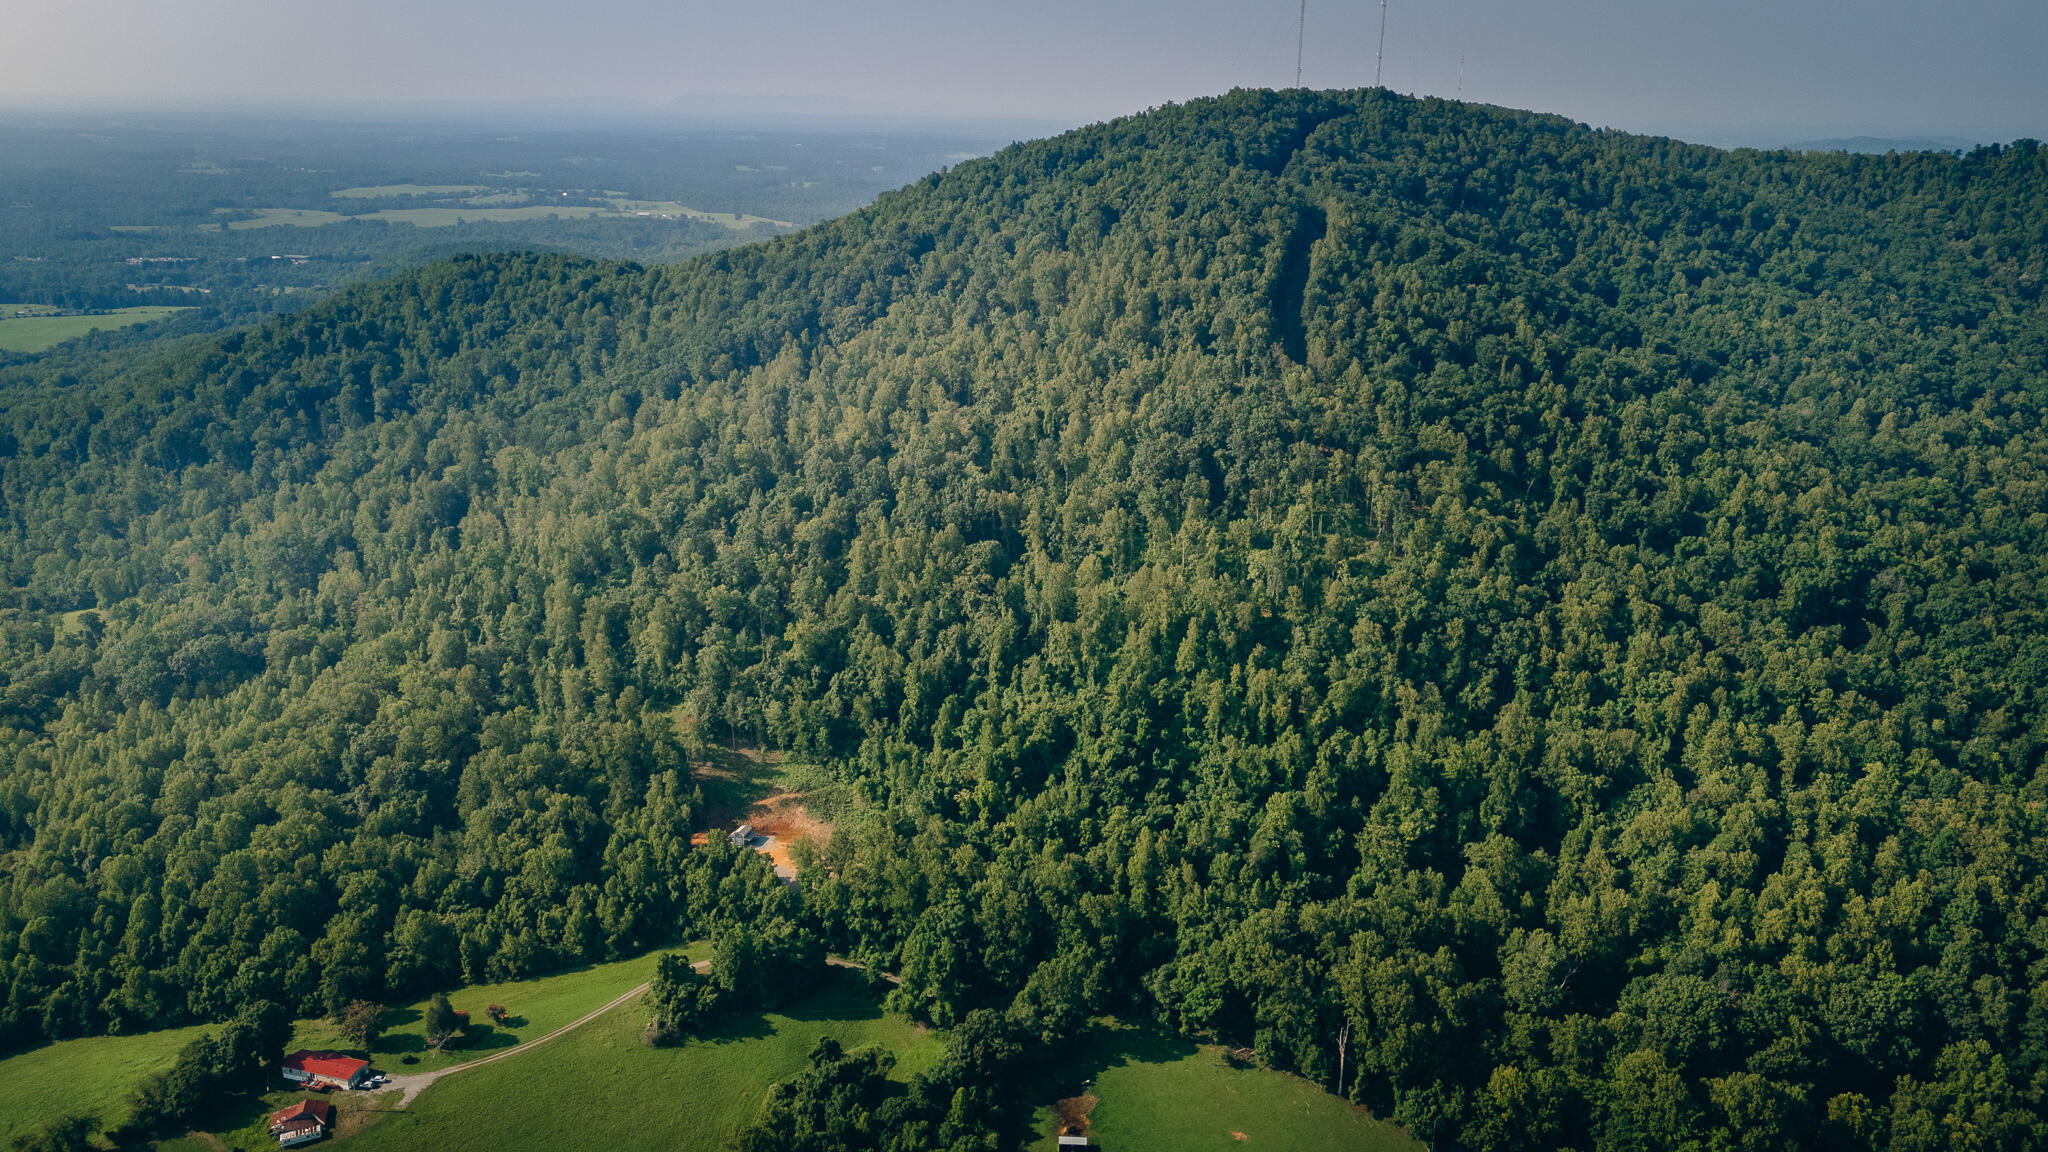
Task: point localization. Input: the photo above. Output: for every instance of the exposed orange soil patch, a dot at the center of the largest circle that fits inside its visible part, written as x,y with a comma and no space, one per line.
784,820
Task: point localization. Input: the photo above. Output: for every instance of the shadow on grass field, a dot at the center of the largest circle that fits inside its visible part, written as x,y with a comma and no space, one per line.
601,1088
537,1007
91,1075
1154,1091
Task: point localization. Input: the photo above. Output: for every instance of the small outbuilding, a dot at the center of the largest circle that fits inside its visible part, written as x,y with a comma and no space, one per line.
742,836
326,1070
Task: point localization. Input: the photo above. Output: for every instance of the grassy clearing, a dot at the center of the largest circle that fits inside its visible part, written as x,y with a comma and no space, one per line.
376,190
1157,1093
786,803
537,1007
89,1075
37,333
96,1074
600,1089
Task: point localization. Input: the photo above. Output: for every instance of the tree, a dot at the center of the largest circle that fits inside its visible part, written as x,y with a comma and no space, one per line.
764,962
828,1107
1646,1106
210,1070
679,998
70,1133
361,1023
441,1020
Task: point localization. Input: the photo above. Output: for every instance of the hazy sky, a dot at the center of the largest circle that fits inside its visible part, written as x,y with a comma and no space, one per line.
1706,69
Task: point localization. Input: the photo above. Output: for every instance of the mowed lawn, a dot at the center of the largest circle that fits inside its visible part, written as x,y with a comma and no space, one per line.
1157,1093
600,1089
37,333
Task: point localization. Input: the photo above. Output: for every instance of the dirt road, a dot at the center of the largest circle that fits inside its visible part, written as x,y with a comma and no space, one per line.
411,1086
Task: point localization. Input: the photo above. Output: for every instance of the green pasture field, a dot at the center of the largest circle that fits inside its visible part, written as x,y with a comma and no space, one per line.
92,1075
600,1089
535,1008
591,1088
377,190
1158,1093
36,333
95,1074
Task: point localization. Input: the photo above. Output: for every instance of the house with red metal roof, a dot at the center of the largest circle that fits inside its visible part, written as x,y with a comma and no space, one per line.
325,1069
302,1123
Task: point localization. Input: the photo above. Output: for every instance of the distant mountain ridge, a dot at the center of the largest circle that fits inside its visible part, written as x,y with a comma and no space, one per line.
1564,612
1879,145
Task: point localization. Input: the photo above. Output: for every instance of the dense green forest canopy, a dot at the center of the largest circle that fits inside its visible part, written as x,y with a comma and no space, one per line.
1568,605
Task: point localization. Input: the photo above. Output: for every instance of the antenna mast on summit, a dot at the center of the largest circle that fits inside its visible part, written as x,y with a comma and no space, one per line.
1379,58
1300,35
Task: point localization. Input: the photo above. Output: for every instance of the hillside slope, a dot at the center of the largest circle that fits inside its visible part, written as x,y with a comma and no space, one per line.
1565,604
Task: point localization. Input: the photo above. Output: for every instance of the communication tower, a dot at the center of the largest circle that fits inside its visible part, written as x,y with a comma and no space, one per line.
1300,35
1379,58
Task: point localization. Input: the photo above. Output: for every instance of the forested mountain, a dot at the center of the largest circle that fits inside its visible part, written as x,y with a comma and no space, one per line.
1568,605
